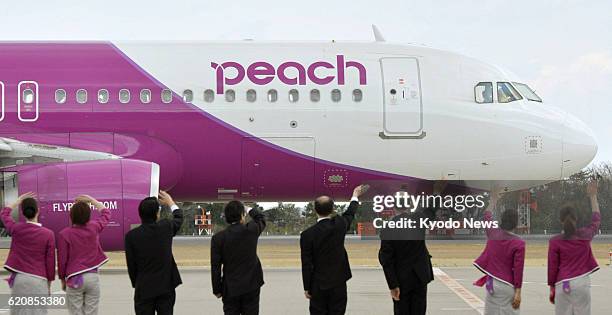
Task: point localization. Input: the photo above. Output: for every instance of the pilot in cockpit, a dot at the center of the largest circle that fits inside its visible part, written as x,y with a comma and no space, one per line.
503,95
487,94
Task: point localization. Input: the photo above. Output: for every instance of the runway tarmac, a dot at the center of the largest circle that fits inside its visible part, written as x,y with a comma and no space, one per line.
5,242
451,292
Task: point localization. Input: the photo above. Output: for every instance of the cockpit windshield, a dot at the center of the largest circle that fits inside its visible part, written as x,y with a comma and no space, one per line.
527,92
506,93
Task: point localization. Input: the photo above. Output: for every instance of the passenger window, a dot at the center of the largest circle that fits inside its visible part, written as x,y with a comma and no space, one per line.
60,96
357,95
506,93
124,96
81,96
166,96
28,96
103,96
294,96
315,95
145,96
230,95
272,96
209,96
188,96
251,96
336,95
483,92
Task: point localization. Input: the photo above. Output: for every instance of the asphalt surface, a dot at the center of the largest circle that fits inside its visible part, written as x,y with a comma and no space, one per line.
5,242
282,294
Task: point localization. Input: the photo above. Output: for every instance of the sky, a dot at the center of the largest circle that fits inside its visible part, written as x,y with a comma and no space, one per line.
563,49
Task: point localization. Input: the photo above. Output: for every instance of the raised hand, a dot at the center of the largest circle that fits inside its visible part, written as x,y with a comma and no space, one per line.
165,199
592,193
592,188
496,193
90,200
360,190
21,198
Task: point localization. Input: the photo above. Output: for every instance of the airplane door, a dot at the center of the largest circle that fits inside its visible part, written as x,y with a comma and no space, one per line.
27,101
402,104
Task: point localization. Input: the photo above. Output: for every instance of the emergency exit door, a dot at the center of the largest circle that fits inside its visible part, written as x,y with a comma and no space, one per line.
402,105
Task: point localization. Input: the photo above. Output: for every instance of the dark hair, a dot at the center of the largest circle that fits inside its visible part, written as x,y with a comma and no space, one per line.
80,212
148,209
324,205
29,208
233,211
509,219
568,218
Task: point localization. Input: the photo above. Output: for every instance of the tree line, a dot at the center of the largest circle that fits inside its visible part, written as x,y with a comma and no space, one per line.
288,219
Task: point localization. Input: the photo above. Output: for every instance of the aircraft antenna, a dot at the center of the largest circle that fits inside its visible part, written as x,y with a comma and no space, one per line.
377,34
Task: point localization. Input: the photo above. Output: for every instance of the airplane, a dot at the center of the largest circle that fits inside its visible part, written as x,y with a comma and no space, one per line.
264,121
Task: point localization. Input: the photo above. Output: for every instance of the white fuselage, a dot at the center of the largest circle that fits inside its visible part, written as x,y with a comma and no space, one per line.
435,130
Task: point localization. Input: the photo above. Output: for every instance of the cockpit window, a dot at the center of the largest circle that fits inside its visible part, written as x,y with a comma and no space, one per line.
506,93
483,92
527,92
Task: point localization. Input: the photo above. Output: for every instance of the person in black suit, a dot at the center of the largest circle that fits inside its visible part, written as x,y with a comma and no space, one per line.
236,271
148,251
406,262
325,265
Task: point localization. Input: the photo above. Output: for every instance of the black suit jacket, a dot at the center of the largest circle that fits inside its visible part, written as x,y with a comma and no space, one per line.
148,251
235,267
404,256
325,264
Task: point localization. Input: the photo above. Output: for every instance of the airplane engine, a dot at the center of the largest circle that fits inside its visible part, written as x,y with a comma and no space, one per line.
120,184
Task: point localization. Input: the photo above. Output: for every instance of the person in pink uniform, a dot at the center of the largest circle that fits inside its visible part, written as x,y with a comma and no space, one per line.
31,259
571,260
80,255
502,262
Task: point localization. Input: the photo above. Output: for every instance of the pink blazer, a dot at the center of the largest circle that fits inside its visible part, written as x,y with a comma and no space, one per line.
32,248
572,258
79,249
503,257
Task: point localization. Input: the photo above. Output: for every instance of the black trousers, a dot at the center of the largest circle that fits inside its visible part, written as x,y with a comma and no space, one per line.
328,302
162,304
411,302
245,304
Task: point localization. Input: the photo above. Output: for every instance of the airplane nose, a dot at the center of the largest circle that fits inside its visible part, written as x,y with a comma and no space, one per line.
579,146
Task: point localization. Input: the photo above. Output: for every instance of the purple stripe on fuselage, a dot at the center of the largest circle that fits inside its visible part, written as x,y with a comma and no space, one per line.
198,153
